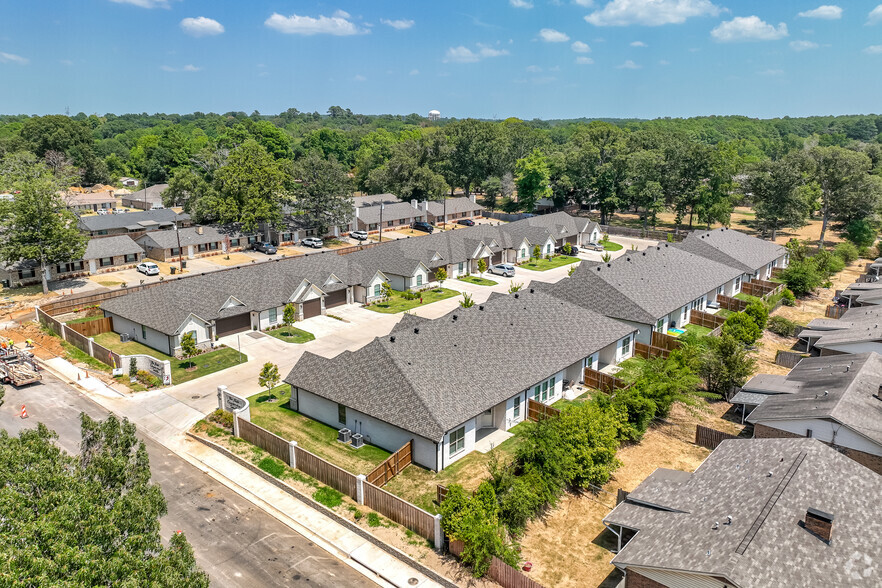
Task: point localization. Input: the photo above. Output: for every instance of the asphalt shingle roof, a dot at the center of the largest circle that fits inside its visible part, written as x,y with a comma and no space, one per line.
454,206
101,247
396,212
103,222
429,382
733,248
766,485
168,239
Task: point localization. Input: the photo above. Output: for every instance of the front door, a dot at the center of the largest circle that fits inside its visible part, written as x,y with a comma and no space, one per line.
486,419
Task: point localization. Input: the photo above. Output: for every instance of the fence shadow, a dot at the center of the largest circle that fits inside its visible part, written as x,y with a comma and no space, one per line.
612,580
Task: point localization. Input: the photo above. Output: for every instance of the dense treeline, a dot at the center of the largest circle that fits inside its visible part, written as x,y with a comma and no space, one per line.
234,166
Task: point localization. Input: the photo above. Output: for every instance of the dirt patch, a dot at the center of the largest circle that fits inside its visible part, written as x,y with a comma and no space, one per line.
45,346
234,259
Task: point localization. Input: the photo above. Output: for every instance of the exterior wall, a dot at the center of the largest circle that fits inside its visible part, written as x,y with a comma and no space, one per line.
635,580
264,322
841,348
371,288
202,330
664,578
398,283
154,339
555,392
510,418
421,275
376,432
623,353
119,263
848,443
469,446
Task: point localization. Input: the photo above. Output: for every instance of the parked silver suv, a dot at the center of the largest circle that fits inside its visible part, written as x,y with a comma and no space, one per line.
313,242
503,269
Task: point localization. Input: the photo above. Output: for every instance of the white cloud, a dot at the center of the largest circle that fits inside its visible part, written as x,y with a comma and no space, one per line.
772,72
584,3
144,3
748,28
825,12
338,25
628,65
414,72
650,12
580,47
201,26
803,45
584,61
534,68
13,58
875,15
553,36
463,54
873,50
399,24
639,44
186,68
521,3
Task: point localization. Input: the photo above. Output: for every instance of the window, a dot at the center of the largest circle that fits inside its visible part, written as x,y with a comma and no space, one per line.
69,267
545,391
105,261
372,227
517,406
286,236
737,287
273,315
390,223
523,252
105,232
175,251
143,332
377,289
548,249
721,290
234,242
461,267
131,257
419,279
27,273
683,314
457,441
341,414
660,325
536,392
626,346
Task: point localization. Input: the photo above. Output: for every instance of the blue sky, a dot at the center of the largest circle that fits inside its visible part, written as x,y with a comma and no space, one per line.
480,58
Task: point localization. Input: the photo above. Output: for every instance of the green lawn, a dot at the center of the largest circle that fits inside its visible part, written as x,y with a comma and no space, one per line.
610,245
291,335
477,280
207,363
398,304
311,435
563,403
747,297
85,319
696,329
725,313
544,264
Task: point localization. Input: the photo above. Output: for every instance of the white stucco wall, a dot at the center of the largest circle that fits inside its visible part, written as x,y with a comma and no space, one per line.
824,430
398,283
421,275
201,329
469,446
154,339
264,320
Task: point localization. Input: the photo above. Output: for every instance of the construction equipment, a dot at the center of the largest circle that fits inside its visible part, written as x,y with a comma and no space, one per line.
18,367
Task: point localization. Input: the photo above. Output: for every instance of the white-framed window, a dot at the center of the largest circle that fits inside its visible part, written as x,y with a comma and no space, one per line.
419,281
548,249
273,315
457,441
626,347
684,312
537,390
378,288
660,325
460,268
341,414
517,407
737,287
523,252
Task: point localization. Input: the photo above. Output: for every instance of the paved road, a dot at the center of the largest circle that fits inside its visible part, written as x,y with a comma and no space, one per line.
235,542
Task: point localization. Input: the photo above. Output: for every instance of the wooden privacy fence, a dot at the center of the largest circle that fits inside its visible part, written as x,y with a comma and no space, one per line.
705,319
440,493
270,442
400,511
648,351
392,466
603,382
92,328
326,472
730,303
710,438
78,340
761,288
789,359
536,411
834,311
665,341
500,572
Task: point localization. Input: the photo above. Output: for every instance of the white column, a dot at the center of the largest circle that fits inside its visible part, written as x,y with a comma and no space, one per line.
359,488
63,332
235,423
91,340
439,536
292,454
220,397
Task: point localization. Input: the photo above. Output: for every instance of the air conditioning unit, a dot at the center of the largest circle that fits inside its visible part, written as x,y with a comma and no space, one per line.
123,337
357,440
343,435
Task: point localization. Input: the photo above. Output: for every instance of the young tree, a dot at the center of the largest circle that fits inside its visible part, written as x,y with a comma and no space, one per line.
742,328
532,180
37,224
440,276
188,347
289,315
386,289
269,378
567,249
725,364
537,252
801,276
514,287
757,311
482,266
467,300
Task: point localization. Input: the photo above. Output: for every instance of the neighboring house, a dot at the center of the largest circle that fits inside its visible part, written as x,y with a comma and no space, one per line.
129,182
760,388
653,290
187,243
455,209
250,297
430,380
753,256
402,271
396,215
862,294
146,199
757,513
856,331
372,199
835,400
565,228
91,202
133,224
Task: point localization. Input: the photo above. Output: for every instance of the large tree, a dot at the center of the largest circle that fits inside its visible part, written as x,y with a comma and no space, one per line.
532,175
846,191
323,194
36,224
87,520
69,136
776,188
412,172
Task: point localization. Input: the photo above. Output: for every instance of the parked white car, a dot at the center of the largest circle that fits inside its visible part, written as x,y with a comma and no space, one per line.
148,268
313,242
503,269
359,235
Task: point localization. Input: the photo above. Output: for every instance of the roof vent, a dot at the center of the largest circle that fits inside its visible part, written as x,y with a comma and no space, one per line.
608,265
532,290
416,331
455,317
517,295
598,268
481,307
392,339
769,474
644,254
627,259
716,525
819,523
728,519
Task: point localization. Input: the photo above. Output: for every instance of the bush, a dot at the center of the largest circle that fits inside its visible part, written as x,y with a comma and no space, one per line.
828,263
410,295
667,381
743,328
801,277
847,252
148,379
328,496
223,418
272,466
373,519
637,412
725,363
782,326
759,313
519,496
860,232
788,297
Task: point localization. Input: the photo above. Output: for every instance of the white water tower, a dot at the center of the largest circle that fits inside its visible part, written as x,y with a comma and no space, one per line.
434,115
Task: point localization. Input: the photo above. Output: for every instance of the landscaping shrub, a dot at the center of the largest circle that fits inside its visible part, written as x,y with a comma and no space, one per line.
828,263
590,435
148,379
759,313
860,232
520,498
410,295
742,328
373,519
666,381
801,277
725,363
847,252
782,326
272,466
636,412
223,418
328,496
788,297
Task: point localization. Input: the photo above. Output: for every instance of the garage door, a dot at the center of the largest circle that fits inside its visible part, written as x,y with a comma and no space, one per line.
233,324
335,299
312,308
497,258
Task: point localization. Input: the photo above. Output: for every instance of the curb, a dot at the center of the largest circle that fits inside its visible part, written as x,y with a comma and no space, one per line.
401,556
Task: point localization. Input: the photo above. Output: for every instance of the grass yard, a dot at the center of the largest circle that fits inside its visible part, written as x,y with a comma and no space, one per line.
477,280
207,363
747,297
697,329
397,302
544,264
84,319
563,403
725,313
311,435
291,335
610,245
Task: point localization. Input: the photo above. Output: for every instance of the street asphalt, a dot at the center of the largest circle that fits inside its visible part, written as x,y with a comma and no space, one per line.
236,543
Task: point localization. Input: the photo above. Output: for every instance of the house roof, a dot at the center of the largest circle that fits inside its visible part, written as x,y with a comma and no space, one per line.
643,286
101,247
429,382
104,222
168,239
80,199
453,205
843,388
371,199
396,211
733,248
151,194
766,486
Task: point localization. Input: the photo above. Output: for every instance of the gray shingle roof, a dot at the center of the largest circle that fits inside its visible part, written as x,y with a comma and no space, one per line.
397,212
733,248
151,194
454,206
840,387
371,199
168,239
433,381
765,546
105,222
101,247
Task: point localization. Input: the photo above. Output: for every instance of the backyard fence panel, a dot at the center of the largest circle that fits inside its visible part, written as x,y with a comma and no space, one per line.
105,355
325,472
78,341
502,573
440,493
392,466
705,319
270,442
72,303
603,382
710,438
47,321
92,328
665,341
834,311
641,234
536,411
398,510
789,359
730,303
648,351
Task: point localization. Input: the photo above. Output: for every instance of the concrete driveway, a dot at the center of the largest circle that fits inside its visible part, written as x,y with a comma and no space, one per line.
626,242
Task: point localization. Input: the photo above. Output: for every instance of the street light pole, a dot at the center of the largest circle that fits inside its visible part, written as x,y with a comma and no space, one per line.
180,251
382,206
